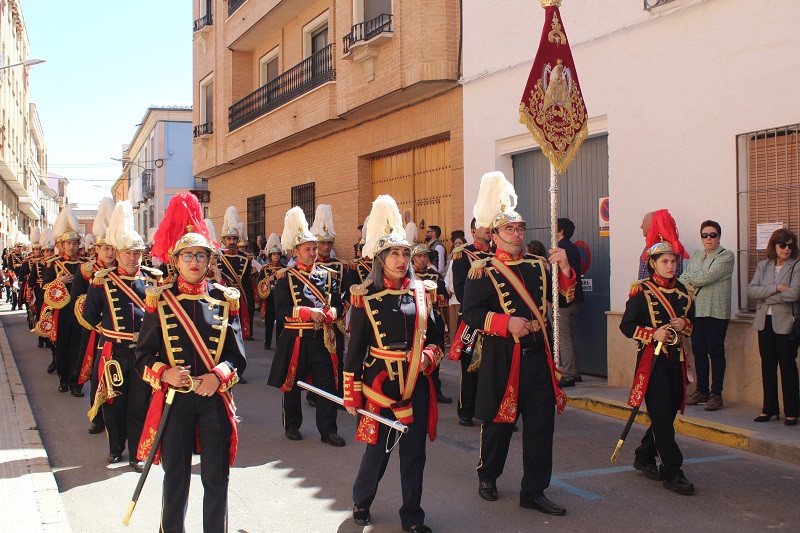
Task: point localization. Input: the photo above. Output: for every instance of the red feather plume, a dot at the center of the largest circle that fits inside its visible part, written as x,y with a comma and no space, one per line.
183,210
663,227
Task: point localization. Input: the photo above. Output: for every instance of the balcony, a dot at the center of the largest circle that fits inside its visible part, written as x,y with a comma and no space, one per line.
202,131
233,5
203,24
298,80
148,186
364,31
30,207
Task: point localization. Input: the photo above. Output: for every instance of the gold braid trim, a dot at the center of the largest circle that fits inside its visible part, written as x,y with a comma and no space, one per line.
636,288
478,269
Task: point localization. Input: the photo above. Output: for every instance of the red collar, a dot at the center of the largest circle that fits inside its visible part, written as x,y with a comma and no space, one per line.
123,272
389,284
504,256
184,287
65,257
304,267
478,246
663,282
321,259
275,264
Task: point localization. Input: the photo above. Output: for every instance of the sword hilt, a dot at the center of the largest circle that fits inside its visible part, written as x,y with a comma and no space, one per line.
616,451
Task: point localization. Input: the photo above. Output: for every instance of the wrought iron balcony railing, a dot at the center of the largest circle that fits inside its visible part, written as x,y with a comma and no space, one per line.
203,22
203,130
233,5
298,80
650,4
364,31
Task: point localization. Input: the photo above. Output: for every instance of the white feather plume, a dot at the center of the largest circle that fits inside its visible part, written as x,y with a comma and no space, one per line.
384,219
151,234
36,233
294,223
104,211
212,231
66,222
230,221
46,239
273,242
120,233
88,241
323,222
496,195
242,232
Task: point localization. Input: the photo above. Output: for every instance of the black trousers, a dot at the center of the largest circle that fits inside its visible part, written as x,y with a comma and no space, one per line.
412,457
269,321
205,417
663,397
67,347
468,386
124,416
708,342
536,406
778,350
94,381
314,361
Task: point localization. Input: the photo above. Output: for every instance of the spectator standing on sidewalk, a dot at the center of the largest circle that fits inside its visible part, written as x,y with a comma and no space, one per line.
709,273
568,314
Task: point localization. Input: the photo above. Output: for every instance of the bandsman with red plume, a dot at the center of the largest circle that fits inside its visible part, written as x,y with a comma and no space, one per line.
191,340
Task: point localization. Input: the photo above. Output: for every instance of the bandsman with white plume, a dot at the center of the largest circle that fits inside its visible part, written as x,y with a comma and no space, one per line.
307,300
394,347
505,297
45,313
234,263
267,278
58,277
115,308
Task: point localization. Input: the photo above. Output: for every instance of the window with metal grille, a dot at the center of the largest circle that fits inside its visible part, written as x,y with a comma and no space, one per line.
255,217
303,197
768,189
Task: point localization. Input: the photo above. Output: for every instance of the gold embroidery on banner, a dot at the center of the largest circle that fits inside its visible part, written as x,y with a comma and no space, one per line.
556,35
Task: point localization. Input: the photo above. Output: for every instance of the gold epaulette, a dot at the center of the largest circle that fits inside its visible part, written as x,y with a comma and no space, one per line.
48,261
231,294
636,288
86,268
478,269
155,272
152,294
458,251
100,276
429,285
281,273
358,291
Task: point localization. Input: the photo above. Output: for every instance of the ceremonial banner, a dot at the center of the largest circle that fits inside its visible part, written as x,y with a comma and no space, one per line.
552,105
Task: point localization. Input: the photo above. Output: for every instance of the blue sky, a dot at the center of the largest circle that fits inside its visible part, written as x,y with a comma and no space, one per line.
107,62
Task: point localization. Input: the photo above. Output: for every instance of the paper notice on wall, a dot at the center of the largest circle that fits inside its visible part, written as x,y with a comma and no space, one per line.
764,232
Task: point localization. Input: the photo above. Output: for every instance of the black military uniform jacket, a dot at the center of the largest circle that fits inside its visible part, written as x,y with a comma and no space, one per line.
35,282
293,303
238,275
382,328
359,270
490,301
111,308
163,341
265,285
463,257
57,267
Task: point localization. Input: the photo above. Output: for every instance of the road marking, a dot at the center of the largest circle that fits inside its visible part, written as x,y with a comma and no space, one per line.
557,479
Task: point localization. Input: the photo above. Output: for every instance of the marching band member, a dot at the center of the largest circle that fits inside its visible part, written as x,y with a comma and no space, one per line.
505,297
45,326
190,339
234,263
267,278
308,302
115,307
394,347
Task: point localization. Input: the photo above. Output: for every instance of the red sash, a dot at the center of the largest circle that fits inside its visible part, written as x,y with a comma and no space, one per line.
507,412
88,359
642,376
244,311
205,355
124,287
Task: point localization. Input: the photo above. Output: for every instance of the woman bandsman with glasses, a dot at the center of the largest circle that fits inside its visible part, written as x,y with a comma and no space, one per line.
191,340
775,288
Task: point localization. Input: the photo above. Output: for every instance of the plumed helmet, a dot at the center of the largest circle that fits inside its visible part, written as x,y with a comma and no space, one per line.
101,220
322,227
231,226
496,203
384,227
274,244
295,229
66,226
182,226
121,233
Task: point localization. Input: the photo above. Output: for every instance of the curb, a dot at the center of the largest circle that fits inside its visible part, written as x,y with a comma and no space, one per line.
52,514
731,436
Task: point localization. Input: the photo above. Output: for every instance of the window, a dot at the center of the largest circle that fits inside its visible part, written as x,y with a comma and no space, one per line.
303,197
768,188
255,217
269,66
315,35
370,9
207,100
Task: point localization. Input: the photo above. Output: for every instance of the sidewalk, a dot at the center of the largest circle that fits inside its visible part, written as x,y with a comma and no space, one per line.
730,426
28,491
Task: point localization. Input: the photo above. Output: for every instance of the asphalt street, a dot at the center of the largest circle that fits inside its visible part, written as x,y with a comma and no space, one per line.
278,485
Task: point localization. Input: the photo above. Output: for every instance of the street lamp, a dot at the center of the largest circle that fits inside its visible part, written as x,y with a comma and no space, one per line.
28,63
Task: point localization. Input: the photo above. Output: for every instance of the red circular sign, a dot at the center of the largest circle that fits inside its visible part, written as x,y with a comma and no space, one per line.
586,256
604,210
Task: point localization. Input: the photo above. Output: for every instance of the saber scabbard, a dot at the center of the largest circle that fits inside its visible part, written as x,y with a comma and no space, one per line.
394,424
635,410
151,456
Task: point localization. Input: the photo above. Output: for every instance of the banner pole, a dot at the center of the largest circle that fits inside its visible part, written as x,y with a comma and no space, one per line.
554,267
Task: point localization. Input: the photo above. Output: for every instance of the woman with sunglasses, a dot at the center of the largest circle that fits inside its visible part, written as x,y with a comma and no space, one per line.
709,273
775,287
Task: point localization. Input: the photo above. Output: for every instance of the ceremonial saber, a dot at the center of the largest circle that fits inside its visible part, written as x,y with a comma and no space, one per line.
635,410
150,457
394,424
